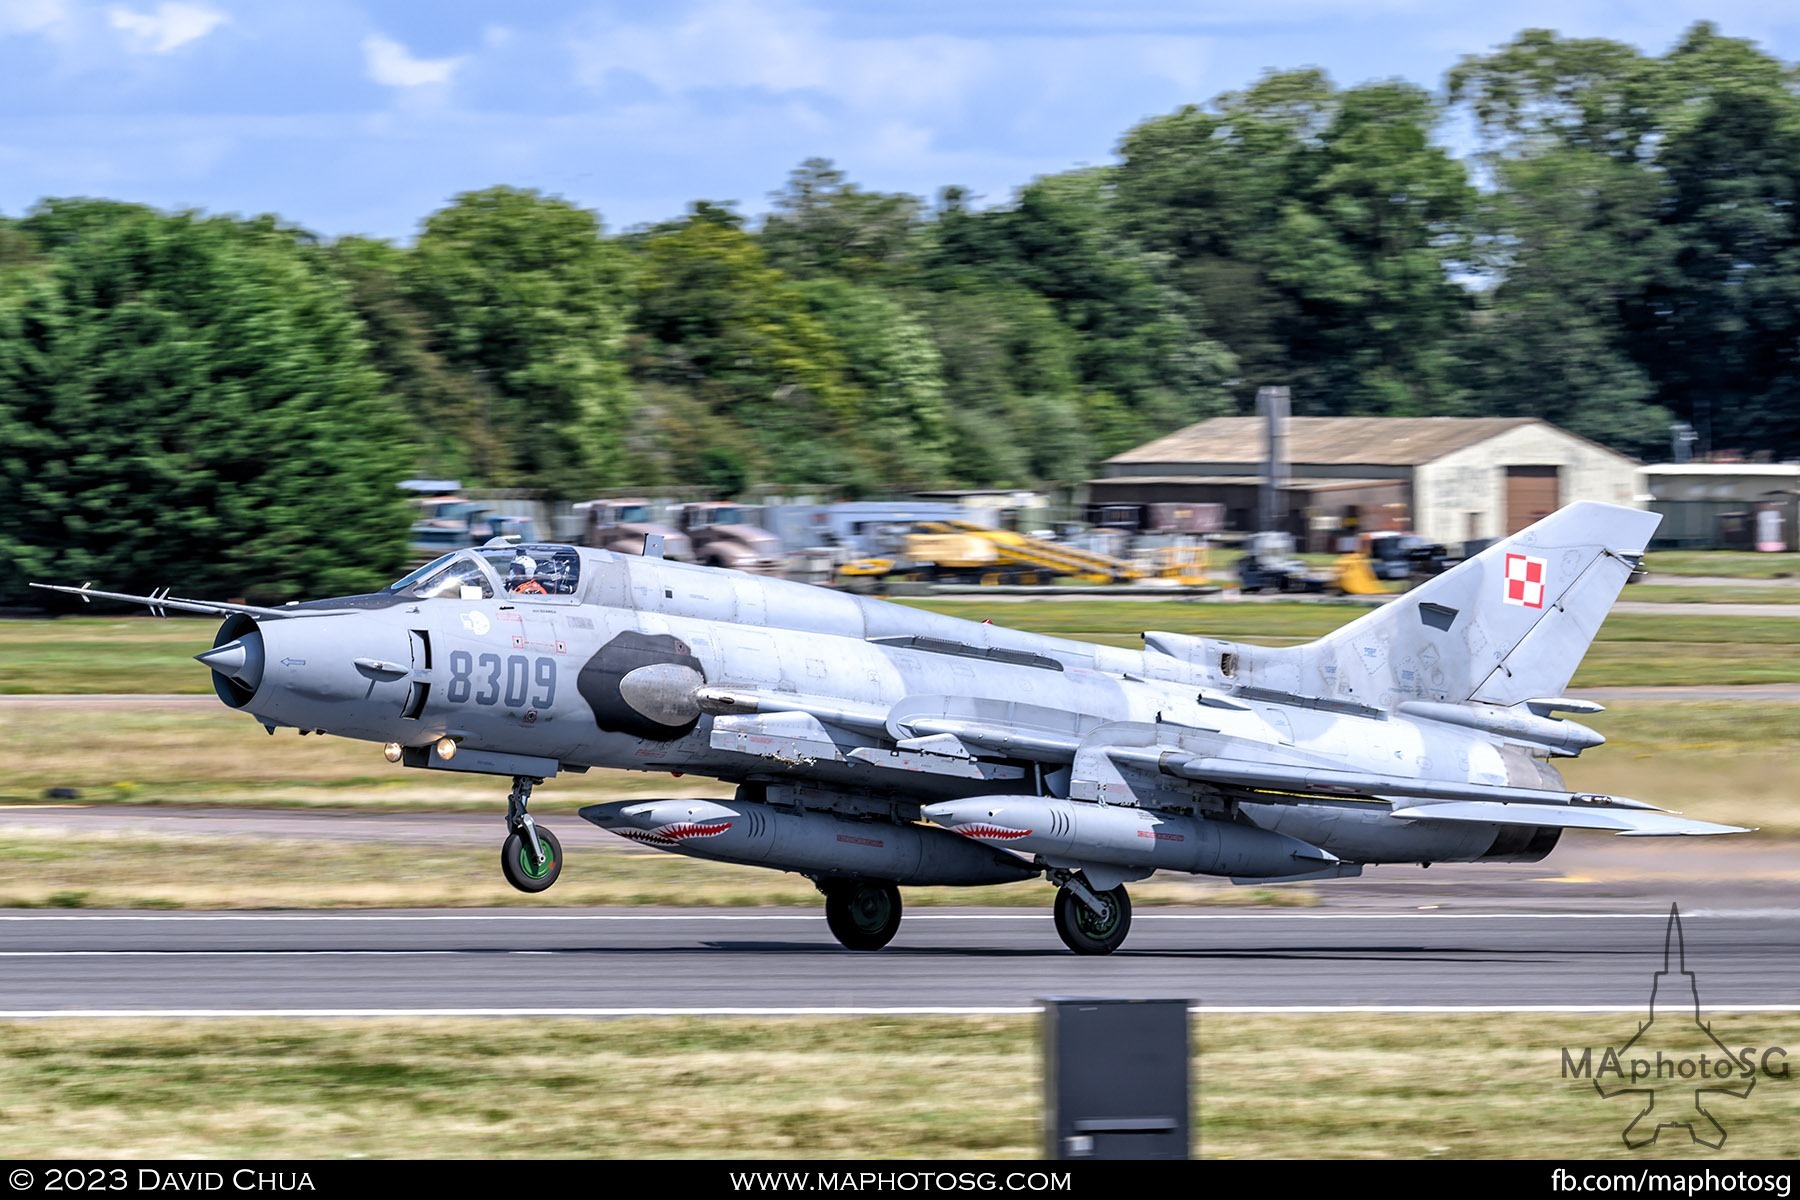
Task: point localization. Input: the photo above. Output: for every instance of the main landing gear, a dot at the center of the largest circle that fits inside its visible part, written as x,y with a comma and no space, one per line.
532,858
864,914
1089,921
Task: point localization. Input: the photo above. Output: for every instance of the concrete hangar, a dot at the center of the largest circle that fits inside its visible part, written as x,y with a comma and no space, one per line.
1451,479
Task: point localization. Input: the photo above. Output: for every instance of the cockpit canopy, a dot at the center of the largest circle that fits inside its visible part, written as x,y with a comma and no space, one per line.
488,571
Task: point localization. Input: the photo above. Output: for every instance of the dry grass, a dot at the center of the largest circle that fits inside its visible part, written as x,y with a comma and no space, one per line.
211,755
1729,762
1267,1086
1453,1086
48,866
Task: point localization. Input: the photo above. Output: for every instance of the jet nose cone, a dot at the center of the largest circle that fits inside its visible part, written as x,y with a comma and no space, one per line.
239,660
951,813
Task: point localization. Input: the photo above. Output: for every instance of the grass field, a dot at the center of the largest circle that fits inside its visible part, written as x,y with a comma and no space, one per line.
1725,564
1657,593
212,755
1681,647
1477,1085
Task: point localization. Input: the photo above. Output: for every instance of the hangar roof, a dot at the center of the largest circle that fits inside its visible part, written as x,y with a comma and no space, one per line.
1387,441
1302,484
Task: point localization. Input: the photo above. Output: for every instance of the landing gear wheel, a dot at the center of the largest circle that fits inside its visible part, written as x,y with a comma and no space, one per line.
521,870
1084,932
863,914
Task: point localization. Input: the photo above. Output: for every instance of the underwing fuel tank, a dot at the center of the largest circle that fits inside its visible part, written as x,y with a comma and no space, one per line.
1119,835
812,843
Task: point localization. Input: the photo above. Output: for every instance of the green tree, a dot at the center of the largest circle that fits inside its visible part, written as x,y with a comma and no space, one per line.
1319,230
1010,373
451,410
1139,360
825,225
1720,327
1643,235
188,401
717,320
525,295
1571,237
902,413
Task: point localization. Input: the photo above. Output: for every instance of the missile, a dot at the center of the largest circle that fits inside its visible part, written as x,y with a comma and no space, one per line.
1120,835
812,843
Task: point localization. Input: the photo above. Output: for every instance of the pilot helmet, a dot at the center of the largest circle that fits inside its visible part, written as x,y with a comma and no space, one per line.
522,568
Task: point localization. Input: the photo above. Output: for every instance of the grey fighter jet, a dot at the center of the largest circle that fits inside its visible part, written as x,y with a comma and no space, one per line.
874,745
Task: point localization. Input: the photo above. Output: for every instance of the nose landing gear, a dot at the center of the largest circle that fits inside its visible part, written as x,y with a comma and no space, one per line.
531,859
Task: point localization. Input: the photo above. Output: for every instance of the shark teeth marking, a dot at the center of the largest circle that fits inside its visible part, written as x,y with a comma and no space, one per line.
992,833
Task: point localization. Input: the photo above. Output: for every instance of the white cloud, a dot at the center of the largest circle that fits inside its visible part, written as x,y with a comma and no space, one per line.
31,16
393,65
784,47
172,24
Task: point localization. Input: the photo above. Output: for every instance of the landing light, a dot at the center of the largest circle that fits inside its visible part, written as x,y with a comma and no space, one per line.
446,748
391,752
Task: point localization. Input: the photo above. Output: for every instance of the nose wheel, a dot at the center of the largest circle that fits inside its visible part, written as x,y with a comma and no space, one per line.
864,914
531,858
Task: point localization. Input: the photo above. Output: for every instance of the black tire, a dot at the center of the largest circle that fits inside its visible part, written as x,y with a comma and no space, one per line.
864,914
1083,932
521,872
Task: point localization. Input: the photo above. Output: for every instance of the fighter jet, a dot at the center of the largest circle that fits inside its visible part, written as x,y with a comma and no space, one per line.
875,745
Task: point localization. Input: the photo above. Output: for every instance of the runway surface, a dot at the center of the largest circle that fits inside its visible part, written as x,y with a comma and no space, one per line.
617,962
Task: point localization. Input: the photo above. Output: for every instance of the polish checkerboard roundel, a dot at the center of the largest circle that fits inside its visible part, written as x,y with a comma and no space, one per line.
1525,580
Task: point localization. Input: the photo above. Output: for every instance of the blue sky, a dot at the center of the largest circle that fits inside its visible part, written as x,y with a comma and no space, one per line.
365,117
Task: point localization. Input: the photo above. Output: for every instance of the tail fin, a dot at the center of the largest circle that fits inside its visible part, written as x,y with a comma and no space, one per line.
1509,625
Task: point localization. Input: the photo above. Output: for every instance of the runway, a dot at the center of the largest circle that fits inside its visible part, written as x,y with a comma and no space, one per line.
770,961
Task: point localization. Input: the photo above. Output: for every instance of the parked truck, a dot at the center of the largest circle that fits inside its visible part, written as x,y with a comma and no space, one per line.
724,536
623,526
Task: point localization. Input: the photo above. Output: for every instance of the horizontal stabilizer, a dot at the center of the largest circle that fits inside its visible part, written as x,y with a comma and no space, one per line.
1329,781
1625,822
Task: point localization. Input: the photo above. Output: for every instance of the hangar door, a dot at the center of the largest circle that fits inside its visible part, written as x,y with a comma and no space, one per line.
1531,495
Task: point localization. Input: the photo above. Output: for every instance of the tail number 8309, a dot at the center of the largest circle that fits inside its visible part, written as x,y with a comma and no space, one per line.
515,680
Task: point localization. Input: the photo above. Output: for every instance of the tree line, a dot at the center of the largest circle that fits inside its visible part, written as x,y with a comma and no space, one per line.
227,403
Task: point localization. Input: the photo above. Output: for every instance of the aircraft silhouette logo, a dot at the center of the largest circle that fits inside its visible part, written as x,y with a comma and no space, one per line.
1674,1064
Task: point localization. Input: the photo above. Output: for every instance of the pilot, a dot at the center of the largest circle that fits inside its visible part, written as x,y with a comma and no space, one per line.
521,577
550,576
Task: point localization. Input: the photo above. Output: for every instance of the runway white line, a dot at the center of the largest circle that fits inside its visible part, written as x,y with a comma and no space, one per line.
345,918
254,953
818,915
946,1010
